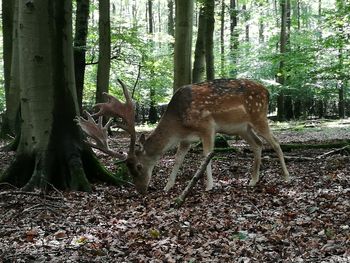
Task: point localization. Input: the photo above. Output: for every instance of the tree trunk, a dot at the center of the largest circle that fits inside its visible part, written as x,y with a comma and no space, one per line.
209,42
51,151
246,19
183,43
234,37
104,54
12,95
284,39
199,67
341,103
152,115
7,30
81,31
171,29
222,40
261,24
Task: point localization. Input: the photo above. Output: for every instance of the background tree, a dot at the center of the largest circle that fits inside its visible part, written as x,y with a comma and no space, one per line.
284,39
233,37
183,43
7,27
81,33
199,65
104,53
11,67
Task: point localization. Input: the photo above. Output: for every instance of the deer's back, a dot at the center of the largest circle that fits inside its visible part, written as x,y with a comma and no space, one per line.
223,102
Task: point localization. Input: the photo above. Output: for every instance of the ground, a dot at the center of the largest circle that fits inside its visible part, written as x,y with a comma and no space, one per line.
304,221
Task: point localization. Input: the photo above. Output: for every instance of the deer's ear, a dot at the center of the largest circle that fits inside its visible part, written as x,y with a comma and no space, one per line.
142,139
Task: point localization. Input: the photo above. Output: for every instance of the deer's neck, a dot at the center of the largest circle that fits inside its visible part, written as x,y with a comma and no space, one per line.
160,140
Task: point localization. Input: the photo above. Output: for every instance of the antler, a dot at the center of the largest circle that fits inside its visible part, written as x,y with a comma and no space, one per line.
112,108
98,133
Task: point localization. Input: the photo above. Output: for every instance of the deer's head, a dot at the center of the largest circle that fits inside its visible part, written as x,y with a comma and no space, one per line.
136,159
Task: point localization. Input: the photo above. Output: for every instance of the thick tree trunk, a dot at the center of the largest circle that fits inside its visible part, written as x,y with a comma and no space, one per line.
104,54
81,31
51,151
183,43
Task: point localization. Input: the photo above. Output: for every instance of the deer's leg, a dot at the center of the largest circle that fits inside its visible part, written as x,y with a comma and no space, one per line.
208,146
255,143
180,155
265,132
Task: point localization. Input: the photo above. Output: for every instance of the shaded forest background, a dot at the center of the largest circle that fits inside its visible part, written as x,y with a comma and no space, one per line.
299,49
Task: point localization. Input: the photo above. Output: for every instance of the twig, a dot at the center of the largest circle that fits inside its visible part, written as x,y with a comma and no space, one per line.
257,209
332,152
137,80
179,201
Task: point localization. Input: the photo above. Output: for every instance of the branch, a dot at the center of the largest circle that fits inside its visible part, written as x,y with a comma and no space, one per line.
180,200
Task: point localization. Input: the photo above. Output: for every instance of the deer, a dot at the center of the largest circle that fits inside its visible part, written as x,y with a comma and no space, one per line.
195,112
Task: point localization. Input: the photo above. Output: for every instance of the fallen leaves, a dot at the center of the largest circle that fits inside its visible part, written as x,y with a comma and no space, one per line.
304,221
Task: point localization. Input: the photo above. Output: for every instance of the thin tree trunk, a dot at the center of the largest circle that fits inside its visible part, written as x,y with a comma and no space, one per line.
234,37
281,74
209,41
171,28
183,43
7,30
81,32
104,55
246,19
199,67
152,116
222,40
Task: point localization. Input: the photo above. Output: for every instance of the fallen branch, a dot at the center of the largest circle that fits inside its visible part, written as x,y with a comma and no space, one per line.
332,152
179,201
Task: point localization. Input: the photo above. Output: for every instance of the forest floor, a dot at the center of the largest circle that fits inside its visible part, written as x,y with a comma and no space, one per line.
307,220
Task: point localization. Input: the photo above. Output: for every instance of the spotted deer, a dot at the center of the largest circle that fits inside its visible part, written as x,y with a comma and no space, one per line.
196,111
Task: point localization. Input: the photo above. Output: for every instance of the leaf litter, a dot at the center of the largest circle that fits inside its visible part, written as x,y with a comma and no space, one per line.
307,220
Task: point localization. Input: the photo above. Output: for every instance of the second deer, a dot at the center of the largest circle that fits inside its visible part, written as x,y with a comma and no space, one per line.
196,111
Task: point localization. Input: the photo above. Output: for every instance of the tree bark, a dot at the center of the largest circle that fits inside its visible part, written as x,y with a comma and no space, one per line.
11,67
171,28
7,29
152,114
51,151
104,54
284,39
222,40
199,67
234,37
209,41
183,43
81,32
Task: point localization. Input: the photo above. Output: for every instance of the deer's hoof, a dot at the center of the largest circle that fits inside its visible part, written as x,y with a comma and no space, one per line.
287,179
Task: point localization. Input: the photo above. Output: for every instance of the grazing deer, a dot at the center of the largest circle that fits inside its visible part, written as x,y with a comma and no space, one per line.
196,111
